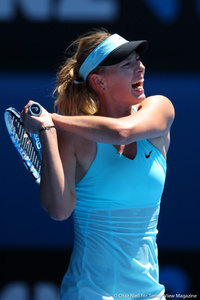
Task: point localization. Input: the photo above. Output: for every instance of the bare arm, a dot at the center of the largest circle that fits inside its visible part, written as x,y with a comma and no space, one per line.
57,187
153,119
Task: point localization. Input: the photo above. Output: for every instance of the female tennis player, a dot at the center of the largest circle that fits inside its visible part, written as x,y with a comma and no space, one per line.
106,162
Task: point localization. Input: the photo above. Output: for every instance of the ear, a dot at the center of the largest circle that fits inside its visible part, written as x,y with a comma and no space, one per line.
96,81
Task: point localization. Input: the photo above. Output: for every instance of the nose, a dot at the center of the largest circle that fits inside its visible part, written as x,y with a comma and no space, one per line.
140,68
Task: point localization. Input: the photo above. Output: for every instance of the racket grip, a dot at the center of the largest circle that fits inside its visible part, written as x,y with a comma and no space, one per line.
35,109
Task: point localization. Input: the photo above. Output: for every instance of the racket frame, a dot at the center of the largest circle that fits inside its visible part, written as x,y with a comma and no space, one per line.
31,138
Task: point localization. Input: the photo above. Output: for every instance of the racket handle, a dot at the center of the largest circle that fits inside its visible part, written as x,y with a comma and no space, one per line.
35,109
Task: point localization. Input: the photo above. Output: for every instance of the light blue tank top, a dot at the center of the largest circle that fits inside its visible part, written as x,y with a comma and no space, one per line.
115,225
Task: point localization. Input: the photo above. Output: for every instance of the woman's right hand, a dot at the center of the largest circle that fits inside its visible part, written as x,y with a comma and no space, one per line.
34,123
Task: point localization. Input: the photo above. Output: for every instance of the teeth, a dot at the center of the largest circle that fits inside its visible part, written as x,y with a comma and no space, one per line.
136,85
141,80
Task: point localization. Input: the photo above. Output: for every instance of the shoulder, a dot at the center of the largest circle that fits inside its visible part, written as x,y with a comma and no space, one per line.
158,101
158,105
65,140
77,148
72,141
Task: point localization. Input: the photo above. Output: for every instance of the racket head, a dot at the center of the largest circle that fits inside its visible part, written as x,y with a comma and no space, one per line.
27,144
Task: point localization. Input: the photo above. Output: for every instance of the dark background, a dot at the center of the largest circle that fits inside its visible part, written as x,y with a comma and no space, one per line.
35,250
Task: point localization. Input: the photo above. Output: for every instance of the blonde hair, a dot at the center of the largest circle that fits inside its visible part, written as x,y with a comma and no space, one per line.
73,98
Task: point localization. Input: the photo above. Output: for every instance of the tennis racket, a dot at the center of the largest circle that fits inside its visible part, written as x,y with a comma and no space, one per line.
27,144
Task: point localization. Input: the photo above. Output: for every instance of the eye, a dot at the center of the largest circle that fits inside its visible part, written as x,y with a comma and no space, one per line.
127,64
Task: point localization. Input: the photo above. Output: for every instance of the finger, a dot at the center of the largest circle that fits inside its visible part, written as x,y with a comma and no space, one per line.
22,115
28,104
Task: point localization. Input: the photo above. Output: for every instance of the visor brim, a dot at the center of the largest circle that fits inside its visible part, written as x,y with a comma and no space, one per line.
123,51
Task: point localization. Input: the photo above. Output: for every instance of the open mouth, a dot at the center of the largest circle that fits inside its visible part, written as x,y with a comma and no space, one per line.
137,86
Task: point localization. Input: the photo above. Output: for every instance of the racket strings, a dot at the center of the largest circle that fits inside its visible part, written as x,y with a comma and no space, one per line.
24,140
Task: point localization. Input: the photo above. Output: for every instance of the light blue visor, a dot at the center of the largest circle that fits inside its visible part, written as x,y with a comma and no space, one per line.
100,53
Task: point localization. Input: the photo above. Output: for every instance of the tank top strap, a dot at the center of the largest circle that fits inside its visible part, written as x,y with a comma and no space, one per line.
134,109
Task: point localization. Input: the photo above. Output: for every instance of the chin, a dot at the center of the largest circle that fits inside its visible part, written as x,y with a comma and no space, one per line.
139,99
143,97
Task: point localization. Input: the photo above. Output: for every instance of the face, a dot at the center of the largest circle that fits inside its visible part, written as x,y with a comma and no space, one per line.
124,81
